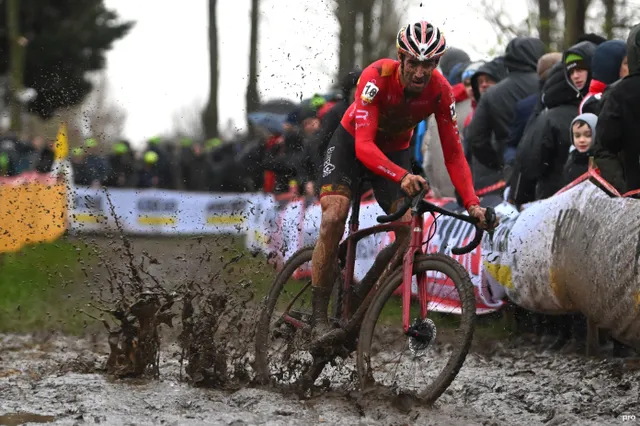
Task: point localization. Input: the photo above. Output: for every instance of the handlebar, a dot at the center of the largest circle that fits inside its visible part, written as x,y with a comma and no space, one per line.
419,205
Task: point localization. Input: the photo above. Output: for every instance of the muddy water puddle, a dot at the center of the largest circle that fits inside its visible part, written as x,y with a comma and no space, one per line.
60,381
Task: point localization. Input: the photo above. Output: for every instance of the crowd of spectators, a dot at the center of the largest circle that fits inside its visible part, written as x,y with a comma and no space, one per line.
530,121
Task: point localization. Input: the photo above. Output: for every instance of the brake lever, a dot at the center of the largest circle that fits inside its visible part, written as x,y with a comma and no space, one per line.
417,199
490,217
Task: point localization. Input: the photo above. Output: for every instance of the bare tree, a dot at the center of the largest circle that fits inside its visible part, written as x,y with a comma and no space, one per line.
545,22
388,17
575,18
346,12
368,30
101,117
210,113
187,122
252,96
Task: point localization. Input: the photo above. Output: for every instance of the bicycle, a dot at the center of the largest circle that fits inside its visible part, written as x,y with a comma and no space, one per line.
358,328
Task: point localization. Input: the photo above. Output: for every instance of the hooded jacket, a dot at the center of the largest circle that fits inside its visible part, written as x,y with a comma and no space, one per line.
482,175
488,131
605,70
451,58
543,151
617,149
495,69
586,50
578,162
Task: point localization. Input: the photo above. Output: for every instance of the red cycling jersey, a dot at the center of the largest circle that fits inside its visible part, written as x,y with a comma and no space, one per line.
382,119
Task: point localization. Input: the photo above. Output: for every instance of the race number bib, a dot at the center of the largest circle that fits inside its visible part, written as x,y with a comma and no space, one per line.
369,92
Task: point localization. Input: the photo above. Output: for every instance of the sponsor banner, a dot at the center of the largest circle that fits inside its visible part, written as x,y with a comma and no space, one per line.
33,209
164,212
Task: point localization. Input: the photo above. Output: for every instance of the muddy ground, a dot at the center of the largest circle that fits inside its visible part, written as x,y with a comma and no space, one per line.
52,378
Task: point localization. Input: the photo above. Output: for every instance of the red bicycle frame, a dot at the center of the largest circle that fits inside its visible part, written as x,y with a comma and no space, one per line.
416,225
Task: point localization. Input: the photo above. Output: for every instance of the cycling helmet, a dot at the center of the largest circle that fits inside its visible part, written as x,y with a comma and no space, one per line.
421,40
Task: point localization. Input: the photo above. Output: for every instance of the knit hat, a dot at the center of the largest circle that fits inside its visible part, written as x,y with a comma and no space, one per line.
573,61
592,122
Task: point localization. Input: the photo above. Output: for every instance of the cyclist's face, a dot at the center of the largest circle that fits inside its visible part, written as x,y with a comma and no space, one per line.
416,74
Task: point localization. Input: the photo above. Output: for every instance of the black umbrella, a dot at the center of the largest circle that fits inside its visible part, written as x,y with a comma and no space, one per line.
277,106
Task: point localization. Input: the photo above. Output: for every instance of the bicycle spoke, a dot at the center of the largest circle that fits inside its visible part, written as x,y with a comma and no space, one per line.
422,360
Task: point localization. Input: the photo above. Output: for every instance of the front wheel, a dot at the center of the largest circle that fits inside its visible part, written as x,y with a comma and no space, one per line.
282,330
387,357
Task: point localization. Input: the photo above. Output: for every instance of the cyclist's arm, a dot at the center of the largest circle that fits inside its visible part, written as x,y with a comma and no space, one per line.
366,124
454,158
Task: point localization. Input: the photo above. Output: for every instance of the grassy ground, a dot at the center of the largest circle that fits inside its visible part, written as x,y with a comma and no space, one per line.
41,287
38,288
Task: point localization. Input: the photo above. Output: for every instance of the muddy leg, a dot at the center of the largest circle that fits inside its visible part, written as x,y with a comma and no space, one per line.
335,209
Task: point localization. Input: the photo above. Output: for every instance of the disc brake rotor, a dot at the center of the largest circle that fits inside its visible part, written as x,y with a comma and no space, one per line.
426,335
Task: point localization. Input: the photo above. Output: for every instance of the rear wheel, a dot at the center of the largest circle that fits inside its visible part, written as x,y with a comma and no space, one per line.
389,359
282,331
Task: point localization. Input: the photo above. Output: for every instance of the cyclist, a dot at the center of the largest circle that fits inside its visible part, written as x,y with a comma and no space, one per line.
391,98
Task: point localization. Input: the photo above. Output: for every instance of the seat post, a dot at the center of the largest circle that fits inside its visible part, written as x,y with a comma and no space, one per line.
354,222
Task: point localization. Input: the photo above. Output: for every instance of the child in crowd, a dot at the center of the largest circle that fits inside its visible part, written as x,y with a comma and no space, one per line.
583,133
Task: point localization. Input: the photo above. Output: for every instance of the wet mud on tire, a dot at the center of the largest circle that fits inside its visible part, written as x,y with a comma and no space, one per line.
61,379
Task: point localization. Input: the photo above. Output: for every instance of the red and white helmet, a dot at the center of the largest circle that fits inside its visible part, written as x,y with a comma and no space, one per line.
421,40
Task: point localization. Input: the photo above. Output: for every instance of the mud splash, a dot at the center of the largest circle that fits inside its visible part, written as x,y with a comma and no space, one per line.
217,337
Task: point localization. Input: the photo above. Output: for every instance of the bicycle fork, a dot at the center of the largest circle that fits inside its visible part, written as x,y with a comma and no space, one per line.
415,248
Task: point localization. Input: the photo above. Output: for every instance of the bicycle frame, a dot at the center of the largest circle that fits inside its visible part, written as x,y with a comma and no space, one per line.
348,250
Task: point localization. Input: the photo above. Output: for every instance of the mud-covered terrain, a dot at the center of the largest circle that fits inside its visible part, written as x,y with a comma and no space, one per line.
59,379
52,378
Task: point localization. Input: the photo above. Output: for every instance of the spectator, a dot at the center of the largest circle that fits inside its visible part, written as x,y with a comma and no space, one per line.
331,119
121,166
582,132
616,149
198,174
546,147
309,159
488,75
97,168
186,157
608,66
163,165
45,156
489,129
9,152
524,109
452,57
81,174
150,174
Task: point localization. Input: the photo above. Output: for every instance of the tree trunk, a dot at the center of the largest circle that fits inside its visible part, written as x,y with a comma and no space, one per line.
575,15
16,48
347,49
210,114
609,18
366,7
545,22
252,97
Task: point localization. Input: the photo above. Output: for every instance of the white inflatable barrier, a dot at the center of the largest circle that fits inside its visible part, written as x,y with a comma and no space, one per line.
577,251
